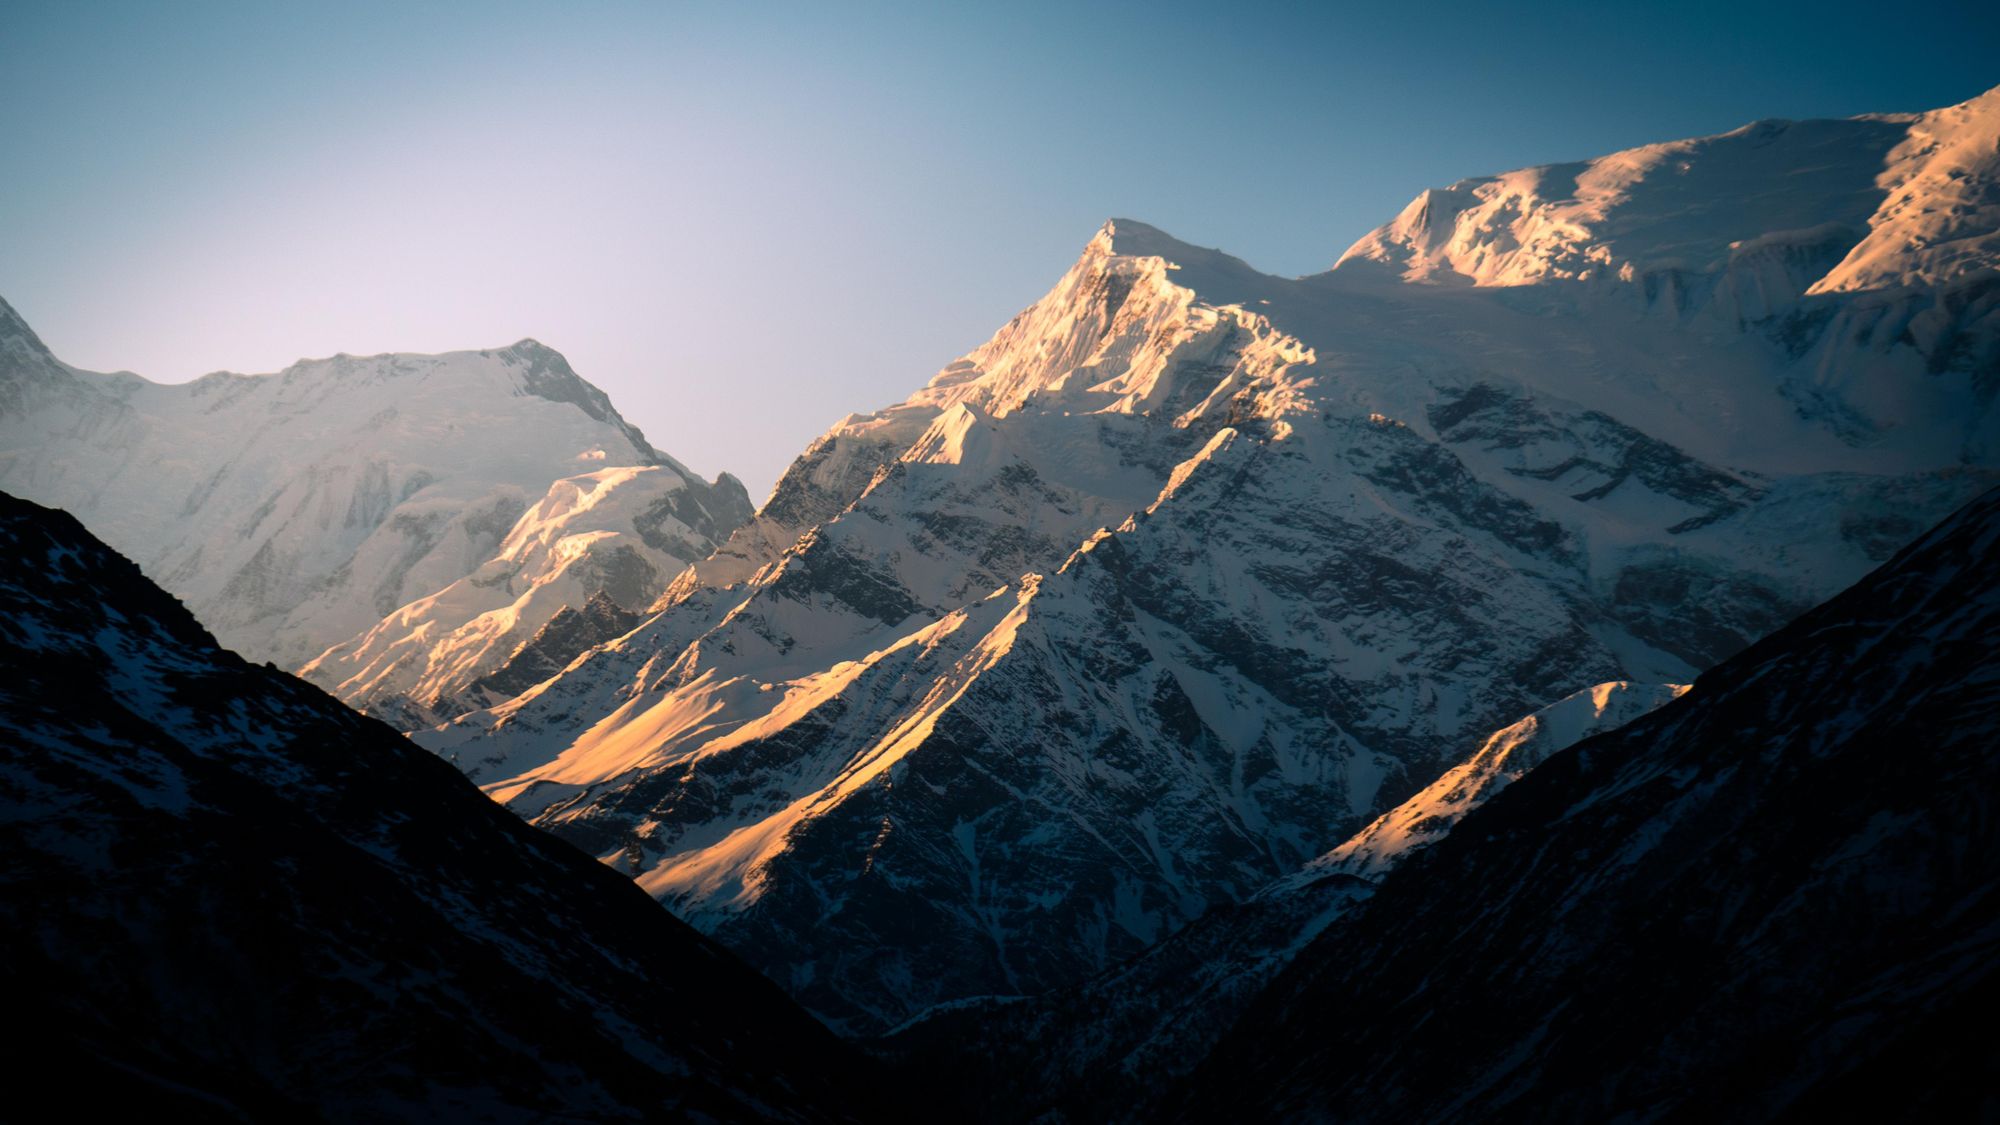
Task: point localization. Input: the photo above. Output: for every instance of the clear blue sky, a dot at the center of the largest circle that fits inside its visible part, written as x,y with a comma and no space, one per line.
745,220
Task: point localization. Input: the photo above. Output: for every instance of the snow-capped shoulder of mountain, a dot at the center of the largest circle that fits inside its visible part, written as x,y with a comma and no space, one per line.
621,533
1871,202
294,510
1941,220
1507,755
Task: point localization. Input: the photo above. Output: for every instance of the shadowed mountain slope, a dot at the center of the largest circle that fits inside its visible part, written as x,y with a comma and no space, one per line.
225,894
1778,896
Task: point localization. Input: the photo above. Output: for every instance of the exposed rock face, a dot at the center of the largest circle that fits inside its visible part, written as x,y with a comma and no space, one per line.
227,895
294,511
1190,572
1775,898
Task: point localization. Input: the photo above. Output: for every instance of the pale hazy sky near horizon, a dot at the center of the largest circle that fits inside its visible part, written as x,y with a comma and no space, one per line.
744,221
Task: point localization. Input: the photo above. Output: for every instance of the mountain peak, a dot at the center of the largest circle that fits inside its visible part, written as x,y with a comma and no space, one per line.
17,340
529,346
546,373
1130,238
28,370
1215,274
10,321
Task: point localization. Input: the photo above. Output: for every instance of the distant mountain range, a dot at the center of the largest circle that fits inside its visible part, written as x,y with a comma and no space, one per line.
294,512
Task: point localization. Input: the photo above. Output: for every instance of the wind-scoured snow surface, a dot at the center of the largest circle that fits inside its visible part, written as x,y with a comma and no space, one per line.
1776,898
294,511
228,897
1190,572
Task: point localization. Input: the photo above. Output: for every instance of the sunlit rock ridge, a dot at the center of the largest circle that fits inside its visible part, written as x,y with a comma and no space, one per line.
1190,571
293,511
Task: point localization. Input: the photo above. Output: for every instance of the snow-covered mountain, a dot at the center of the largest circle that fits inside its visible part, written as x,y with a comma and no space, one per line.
619,535
293,511
1776,898
226,897
1190,572
1771,212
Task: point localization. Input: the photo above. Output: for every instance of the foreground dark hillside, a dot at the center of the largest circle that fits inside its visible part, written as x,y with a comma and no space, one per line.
1775,897
226,896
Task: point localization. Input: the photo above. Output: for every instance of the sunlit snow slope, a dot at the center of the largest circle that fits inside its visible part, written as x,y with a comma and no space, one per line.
1189,572
1869,203
616,534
